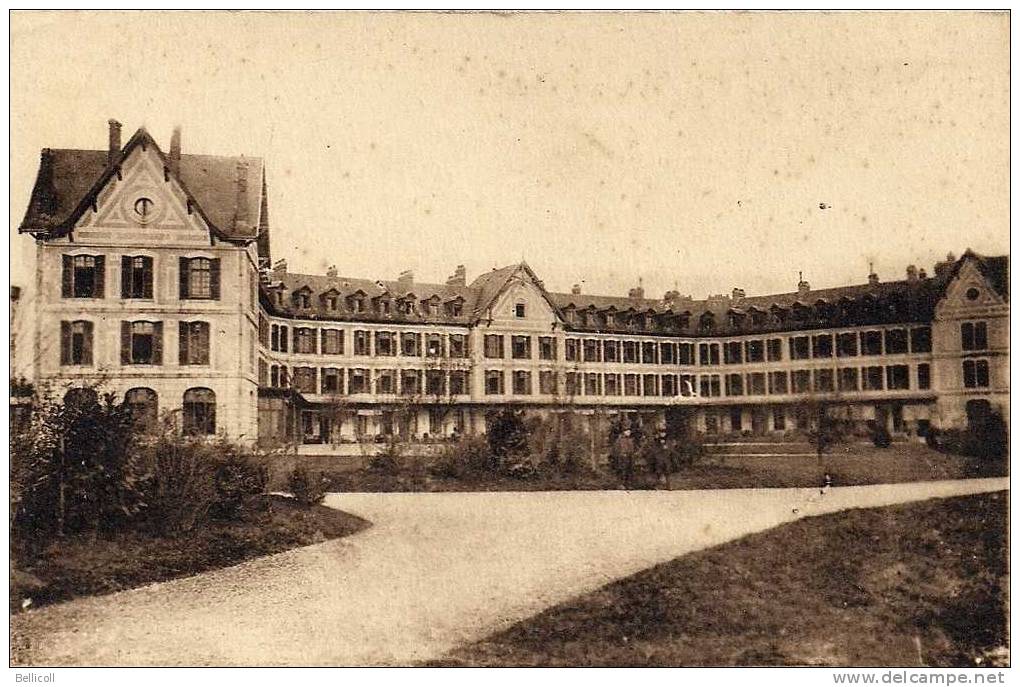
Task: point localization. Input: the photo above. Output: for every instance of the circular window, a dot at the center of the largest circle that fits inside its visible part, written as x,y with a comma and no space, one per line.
973,294
143,208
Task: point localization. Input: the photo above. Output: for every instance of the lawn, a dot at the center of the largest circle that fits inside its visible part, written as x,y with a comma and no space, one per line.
847,465
80,566
917,584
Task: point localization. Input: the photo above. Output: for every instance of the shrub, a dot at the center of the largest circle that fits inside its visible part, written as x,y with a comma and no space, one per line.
470,454
180,487
880,436
506,433
307,488
237,478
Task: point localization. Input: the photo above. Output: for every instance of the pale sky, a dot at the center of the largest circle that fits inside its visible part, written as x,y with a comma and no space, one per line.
689,150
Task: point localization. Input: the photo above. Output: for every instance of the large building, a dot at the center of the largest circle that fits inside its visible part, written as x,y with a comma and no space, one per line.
154,279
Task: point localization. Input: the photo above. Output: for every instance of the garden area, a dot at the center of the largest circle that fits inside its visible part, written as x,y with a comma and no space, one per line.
99,506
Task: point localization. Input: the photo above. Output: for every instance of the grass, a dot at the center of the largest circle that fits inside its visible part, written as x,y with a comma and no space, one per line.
78,566
918,584
848,465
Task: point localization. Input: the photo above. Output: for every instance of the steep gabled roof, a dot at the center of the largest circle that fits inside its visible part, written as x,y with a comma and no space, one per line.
491,285
69,179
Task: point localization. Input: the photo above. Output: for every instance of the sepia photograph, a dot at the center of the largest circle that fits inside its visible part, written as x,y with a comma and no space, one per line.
561,339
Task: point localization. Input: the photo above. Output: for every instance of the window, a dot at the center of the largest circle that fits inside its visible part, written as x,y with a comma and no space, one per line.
410,344
872,380
570,384
668,385
846,344
871,343
799,348
630,351
755,351
455,307
199,411
458,346
493,382
356,302
779,419
493,346
756,384
546,348
83,276
520,347
975,374
592,384
848,379
519,310
572,348
194,343
920,340
76,343
592,352
305,380
435,382
274,338
361,345
141,343
734,385
434,345
687,385
263,372
733,352
410,382
200,278
667,354
332,341
924,376
779,383
284,338
331,300
522,383
458,382
649,352
650,385
895,341
303,300
974,336
612,384
547,382
708,354
630,385
305,340
686,354
135,277
897,377
332,380
801,381
822,346
824,380
775,350
710,385
384,344
357,381
142,404
385,382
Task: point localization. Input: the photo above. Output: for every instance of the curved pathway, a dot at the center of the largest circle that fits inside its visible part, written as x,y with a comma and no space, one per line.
436,570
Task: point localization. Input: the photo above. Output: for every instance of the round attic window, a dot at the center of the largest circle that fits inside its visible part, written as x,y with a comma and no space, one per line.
973,294
144,209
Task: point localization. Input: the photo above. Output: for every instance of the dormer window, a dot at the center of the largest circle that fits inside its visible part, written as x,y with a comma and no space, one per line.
382,305
302,300
520,310
356,302
455,307
331,300
707,322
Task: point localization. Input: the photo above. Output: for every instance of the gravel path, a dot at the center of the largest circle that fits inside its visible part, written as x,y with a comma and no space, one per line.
435,570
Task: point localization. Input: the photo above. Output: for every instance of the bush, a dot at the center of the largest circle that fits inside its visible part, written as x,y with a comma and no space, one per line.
880,436
180,487
237,478
469,455
307,488
506,433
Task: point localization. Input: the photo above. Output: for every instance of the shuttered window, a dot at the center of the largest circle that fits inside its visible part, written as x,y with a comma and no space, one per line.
83,276
194,343
76,343
135,276
141,343
200,278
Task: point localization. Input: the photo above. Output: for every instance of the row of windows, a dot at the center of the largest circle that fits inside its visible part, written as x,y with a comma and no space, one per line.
359,302
141,343
338,380
198,411
332,342
84,276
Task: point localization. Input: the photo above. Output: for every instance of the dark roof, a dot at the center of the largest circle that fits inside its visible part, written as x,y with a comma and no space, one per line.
67,180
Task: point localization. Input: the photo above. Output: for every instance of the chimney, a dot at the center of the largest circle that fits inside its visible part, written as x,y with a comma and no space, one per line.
241,220
280,267
922,274
175,150
637,292
406,279
872,279
575,289
738,294
911,273
802,286
458,278
331,271
114,149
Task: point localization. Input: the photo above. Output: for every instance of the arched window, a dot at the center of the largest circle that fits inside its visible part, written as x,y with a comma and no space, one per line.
143,404
199,411
80,396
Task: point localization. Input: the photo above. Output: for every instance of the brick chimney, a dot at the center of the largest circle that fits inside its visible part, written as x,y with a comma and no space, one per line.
241,220
406,279
911,273
458,278
802,286
114,149
638,291
575,289
922,274
175,150
738,294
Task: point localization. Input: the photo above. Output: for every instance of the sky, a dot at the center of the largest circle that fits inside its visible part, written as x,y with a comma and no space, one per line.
700,151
